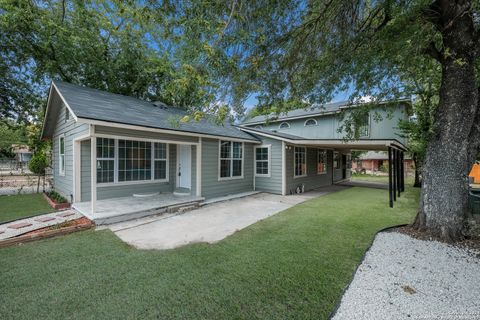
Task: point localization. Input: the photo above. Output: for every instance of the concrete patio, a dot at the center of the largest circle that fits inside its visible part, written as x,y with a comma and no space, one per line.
120,209
210,223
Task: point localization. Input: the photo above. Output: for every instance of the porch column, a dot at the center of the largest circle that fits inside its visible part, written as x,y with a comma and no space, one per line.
199,167
93,169
402,160
390,176
399,189
394,170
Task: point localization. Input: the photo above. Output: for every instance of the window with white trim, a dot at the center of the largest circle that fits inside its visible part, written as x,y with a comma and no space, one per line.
284,125
300,161
231,159
61,153
321,161
336,160
262,161
310,123
134,160
160,161
105,160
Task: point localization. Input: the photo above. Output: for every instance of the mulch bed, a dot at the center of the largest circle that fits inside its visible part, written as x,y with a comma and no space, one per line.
470,244
64,228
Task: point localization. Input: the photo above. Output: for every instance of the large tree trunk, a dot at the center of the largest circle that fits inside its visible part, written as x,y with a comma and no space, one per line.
444,195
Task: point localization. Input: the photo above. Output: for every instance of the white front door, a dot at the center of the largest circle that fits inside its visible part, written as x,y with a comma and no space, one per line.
184,166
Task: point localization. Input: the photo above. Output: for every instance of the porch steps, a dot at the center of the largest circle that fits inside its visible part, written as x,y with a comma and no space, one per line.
177,208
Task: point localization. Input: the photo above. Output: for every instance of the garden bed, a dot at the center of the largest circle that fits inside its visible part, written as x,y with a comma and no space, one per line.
56,201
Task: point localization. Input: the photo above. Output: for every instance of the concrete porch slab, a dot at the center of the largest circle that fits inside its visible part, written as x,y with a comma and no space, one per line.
127,208
210,223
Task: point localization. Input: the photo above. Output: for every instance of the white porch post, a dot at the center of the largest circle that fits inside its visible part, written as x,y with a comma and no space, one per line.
199,167
93,167
284,169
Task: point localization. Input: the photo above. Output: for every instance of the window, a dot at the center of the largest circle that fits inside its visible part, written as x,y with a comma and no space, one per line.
61,159
284,125
134,160
321,161
336,160
160,161
231,159
262,158
363,127
105,160
300,161
310,123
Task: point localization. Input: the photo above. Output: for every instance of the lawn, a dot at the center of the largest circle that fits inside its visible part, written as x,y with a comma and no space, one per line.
22,206
380,179
292,265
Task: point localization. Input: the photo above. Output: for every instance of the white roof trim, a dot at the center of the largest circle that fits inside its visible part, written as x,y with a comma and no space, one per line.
176,132
65,101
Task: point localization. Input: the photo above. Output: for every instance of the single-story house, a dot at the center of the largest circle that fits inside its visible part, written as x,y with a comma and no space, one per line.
110,149
377,161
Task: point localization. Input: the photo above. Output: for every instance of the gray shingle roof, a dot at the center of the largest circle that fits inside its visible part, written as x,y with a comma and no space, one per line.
318,109
94,104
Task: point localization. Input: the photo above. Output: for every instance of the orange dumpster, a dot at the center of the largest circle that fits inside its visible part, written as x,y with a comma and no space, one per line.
475,173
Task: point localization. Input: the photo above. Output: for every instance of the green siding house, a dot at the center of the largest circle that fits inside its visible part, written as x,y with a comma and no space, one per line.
108,147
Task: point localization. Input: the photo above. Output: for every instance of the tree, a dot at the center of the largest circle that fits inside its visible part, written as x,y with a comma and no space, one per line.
307,51
38,164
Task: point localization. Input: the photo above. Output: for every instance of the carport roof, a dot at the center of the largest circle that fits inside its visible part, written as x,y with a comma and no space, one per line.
360,144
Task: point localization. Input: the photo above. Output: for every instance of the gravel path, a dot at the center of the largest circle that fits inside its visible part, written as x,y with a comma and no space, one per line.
405,278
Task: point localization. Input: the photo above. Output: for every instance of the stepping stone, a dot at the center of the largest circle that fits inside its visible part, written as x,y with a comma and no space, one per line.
65,214
20,225
45,219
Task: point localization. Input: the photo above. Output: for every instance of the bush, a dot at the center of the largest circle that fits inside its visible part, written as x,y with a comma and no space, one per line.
38,163
55,196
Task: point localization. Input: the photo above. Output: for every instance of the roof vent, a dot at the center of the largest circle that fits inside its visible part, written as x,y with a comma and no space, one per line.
160,104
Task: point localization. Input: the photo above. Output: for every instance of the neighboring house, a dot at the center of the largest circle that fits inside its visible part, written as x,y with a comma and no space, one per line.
139,147
374,162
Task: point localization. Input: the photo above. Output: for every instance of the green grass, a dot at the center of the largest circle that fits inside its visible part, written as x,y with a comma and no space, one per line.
22,206
292,265
374,178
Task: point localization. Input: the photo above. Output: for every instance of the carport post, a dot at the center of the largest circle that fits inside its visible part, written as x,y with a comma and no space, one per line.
390,176
394,171
402,159
399,178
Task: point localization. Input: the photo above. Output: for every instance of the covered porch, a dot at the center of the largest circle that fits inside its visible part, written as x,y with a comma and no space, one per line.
122,174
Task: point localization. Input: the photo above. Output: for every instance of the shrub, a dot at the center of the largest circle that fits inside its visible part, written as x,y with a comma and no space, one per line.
55,196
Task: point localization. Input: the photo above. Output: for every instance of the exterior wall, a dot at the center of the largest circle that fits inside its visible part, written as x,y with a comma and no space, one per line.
143,134
312,180
327,126
63,184
213,187
272,184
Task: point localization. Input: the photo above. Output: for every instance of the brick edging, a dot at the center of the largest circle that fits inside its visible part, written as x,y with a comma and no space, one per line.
44,235
56,206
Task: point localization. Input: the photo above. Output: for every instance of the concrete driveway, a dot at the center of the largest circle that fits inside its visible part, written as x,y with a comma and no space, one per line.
210,223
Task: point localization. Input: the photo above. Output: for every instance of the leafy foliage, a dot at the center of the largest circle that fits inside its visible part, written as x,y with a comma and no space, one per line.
38,163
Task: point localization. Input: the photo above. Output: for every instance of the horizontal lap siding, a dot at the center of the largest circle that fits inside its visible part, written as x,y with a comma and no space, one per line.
211,186
312,180
71,130
143,134
273,183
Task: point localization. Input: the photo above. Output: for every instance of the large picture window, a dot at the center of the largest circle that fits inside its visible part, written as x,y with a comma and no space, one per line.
321,161
105,160
231,159
61,157
300,161
262,160
134,160
160,161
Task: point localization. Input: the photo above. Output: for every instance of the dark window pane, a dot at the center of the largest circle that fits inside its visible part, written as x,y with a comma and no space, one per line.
160,169
237,150
237,168
225,149
225,168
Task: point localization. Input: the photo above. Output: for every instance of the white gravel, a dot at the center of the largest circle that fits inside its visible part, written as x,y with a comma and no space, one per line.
445,282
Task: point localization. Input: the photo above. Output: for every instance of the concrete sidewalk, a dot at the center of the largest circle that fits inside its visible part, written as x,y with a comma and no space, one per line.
210,223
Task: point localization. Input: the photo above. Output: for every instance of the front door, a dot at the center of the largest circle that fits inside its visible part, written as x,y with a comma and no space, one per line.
184,166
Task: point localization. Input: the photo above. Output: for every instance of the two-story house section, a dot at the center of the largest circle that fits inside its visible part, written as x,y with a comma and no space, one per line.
306,148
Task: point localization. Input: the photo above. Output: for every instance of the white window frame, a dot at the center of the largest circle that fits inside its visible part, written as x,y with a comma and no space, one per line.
281,124
231,177
367,126
310,125
116,163
294,164
326,160
61,157
166,162
269,162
